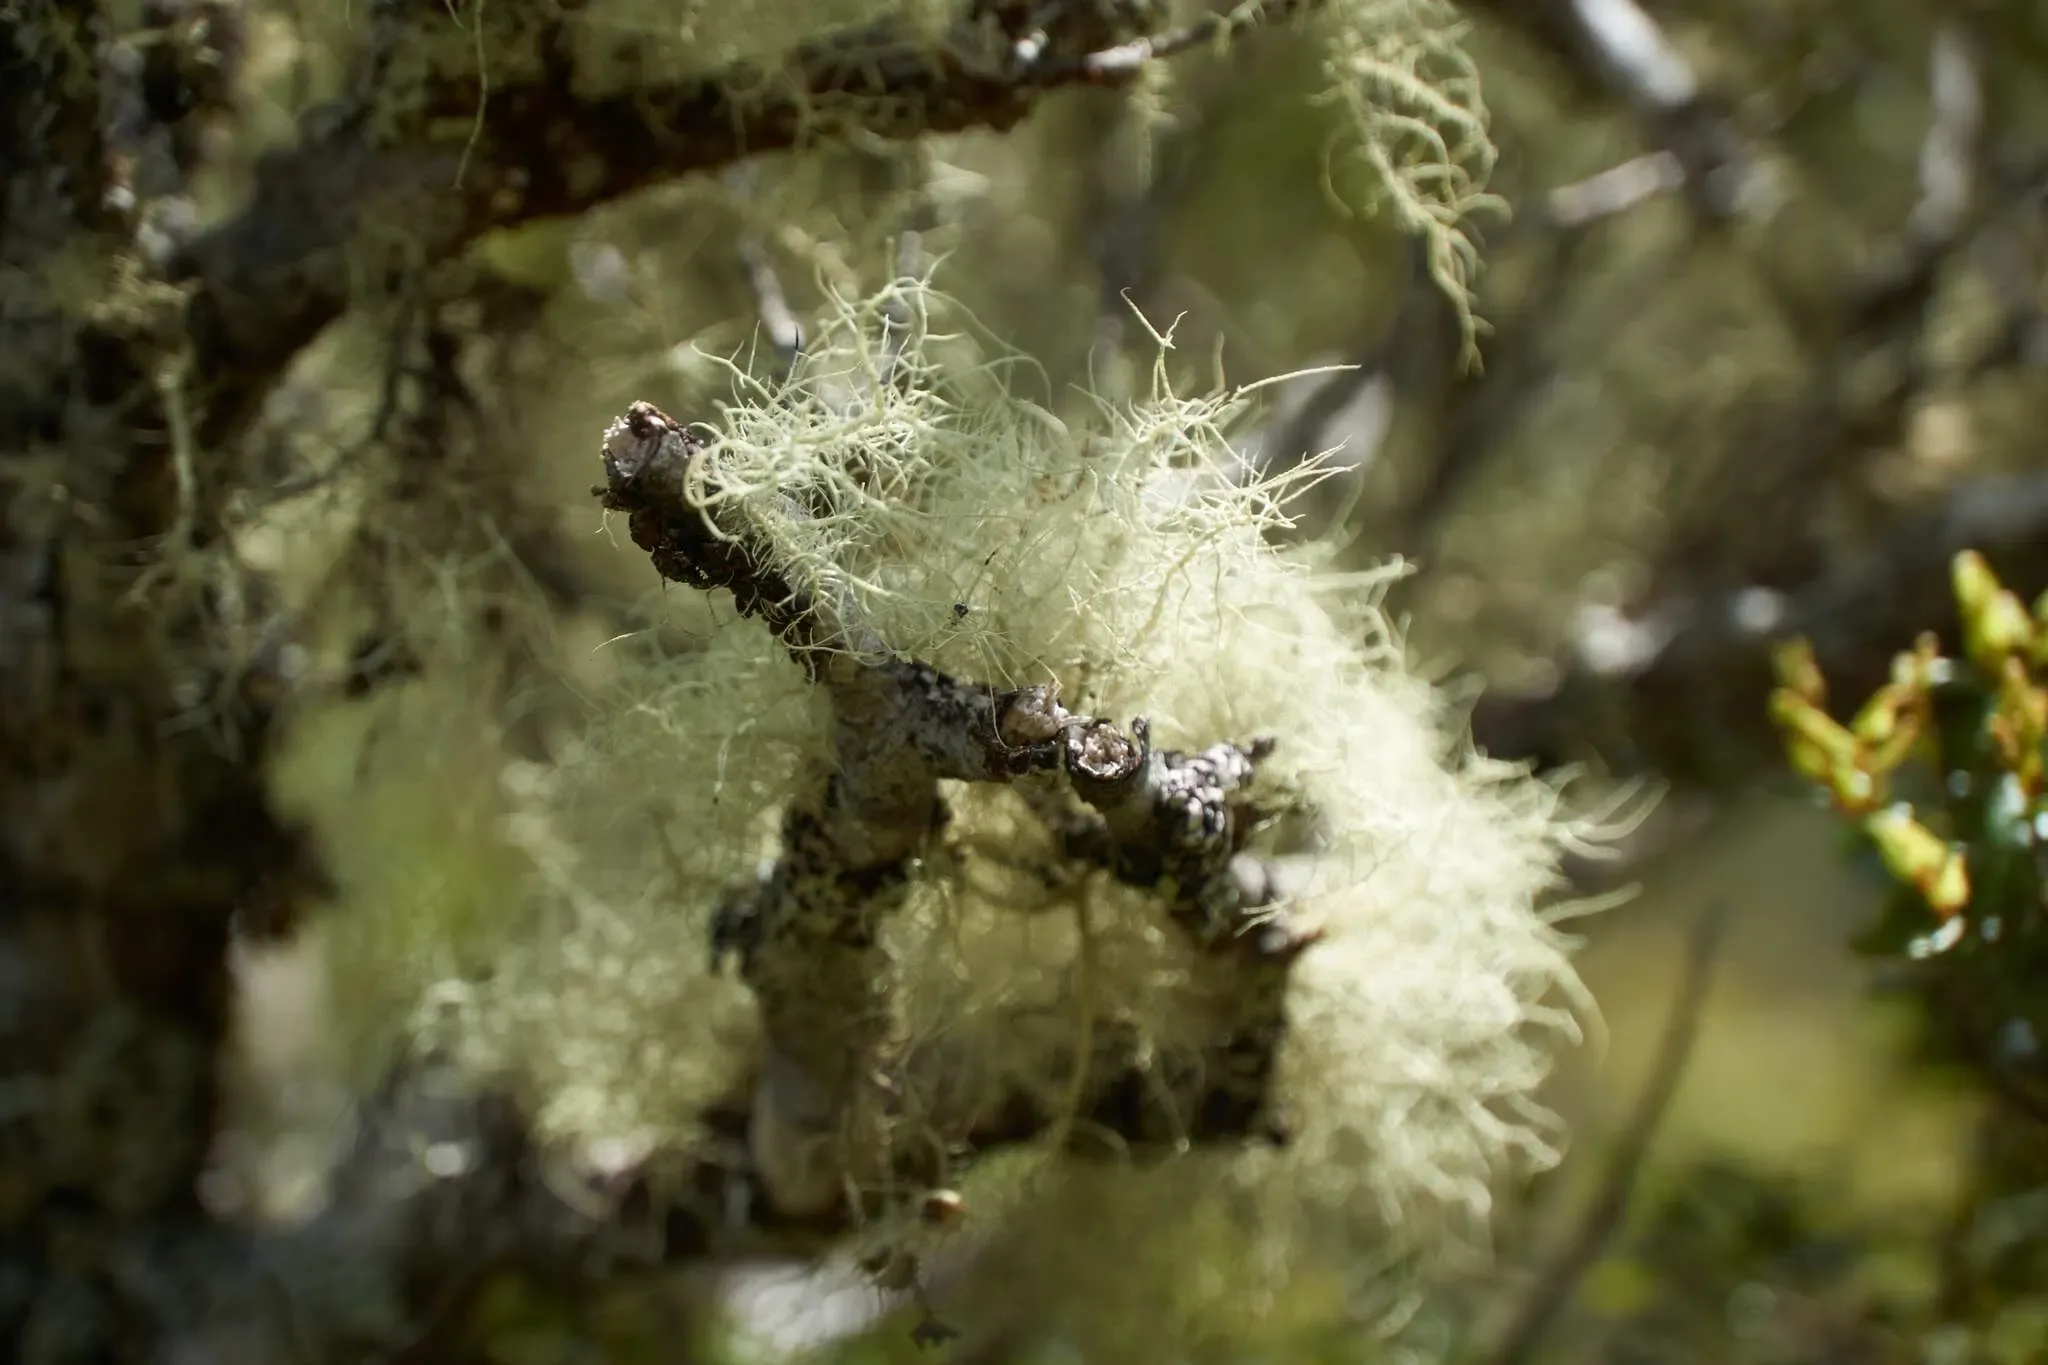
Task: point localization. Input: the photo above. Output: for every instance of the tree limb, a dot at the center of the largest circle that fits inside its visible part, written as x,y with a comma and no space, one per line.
319,221
807,934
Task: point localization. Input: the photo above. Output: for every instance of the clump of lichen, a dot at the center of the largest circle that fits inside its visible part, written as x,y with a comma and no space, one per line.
563,940
1416,124
981,534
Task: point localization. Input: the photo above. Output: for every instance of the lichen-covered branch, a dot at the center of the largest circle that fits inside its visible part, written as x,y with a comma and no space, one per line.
808,934
138,831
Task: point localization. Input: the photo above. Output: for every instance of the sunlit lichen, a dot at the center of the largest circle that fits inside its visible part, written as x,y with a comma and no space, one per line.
981,534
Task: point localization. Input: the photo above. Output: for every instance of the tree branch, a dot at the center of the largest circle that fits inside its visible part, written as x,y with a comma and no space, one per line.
1617,46
1603,1214
1688,706
807,934
320,219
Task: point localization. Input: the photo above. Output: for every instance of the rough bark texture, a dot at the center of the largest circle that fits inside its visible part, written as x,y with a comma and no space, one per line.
808,935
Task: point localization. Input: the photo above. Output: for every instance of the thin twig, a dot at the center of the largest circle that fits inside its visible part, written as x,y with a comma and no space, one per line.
1602,1217
1114,65
784,333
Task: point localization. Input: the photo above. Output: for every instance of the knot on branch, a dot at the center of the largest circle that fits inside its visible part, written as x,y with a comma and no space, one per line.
1030,716
651,462
1107,765
1178,823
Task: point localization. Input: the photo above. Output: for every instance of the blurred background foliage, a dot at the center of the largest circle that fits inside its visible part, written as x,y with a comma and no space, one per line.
1764,350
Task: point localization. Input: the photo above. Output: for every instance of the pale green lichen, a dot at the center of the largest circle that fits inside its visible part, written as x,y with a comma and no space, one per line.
1412,122
562,940
1111,561
1416,122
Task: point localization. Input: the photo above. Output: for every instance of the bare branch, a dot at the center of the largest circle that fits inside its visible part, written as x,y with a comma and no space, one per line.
1686,704
1616,45
1114,65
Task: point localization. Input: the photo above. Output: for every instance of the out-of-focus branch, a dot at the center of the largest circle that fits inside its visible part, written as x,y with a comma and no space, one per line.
442,1194
1688,701
807,934
1673,682
1615,46
136,825
1119,62
1950,150
1603,1214
777,320
321,217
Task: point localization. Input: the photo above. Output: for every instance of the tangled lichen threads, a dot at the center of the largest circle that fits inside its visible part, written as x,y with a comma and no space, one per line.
903,476
1415,120
1015,548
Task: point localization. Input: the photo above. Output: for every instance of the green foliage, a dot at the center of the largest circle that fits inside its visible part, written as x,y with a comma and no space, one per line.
1941,777
1942,773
